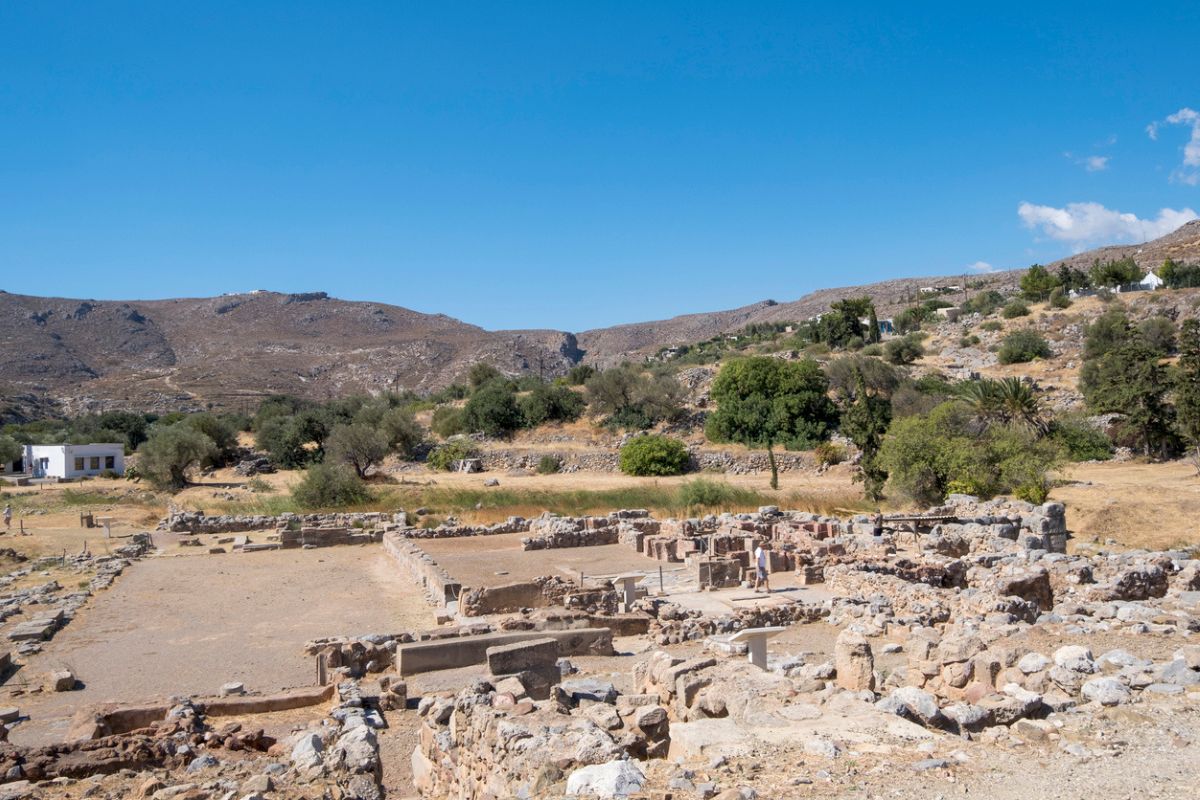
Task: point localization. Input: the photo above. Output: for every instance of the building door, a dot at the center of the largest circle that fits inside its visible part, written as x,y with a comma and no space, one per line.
40,467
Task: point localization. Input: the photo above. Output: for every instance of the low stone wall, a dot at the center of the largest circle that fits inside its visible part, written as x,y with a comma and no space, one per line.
541,592
511,525
465,651
327,537
199,522
439,587
505,460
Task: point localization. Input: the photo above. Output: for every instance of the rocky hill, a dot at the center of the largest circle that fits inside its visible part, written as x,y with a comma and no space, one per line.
230,351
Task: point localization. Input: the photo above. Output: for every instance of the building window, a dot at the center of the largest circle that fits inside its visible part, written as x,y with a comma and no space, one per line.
95,462
110,462
79,463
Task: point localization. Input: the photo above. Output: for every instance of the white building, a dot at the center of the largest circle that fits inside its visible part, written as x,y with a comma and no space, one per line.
73,460
1151,281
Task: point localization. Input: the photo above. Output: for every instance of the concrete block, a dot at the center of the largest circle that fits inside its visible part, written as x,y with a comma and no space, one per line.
509,659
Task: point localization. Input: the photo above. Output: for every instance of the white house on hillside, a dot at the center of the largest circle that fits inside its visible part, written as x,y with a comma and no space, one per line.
1151,281
73,460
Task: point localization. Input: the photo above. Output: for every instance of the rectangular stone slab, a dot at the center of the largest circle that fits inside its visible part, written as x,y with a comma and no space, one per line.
464,651
507,659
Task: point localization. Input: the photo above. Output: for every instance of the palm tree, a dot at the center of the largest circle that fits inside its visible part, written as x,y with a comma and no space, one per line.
1009,401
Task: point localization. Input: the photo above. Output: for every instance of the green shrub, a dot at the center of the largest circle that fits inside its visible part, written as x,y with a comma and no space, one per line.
547,403
904,350
992,325
259,486
983,303
827,454
493,409
872,350
653,455
930,455
548,465
448,421
968,341
1059,299
1022,346
1159,332
330,486
578,375
1015,309
701,493
1080,440
444,455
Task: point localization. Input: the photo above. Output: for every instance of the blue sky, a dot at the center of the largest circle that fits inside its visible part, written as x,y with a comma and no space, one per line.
573,165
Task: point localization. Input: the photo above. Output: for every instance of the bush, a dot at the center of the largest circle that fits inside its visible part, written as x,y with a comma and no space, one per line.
493,410
259,486
548,465
903,351
1015,309
401,430
968,341
653,455
330,486
827,454
872,350
448,421
633,399
1159,332
1080,440
983,303
992,325
550,404
1059,299
708,494
444,455
930,455
578,375
1022,346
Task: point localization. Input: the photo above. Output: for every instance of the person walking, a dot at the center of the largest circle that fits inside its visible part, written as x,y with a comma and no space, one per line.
7,518
762,579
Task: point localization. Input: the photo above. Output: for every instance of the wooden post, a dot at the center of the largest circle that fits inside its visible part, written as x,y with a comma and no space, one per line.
321,675
661,589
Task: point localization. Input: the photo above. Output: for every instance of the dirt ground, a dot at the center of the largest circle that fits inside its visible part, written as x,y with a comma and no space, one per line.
188,624
494,560
1155,506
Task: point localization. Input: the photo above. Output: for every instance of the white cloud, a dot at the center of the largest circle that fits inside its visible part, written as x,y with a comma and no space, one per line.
1189,173
1088,224
981,266
1090,163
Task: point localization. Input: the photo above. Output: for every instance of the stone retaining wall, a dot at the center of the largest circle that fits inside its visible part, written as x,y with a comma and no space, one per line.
608,461
439,587
199,522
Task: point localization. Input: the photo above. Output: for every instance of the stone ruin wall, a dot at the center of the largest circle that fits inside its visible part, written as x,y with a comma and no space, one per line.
507,460
196,522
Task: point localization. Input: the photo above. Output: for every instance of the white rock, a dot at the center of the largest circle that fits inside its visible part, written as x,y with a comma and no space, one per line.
1106,691
306,754
1032,662
614,779
1075,658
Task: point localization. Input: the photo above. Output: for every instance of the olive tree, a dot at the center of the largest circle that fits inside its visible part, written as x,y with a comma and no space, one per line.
763,401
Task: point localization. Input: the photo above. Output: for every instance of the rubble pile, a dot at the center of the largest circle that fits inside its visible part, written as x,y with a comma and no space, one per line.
46,608
493,740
